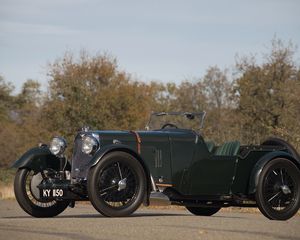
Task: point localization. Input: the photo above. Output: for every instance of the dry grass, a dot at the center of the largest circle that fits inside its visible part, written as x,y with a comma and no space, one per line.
7,191
6,183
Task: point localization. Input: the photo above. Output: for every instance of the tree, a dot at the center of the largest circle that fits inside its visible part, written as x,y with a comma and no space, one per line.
262,100
190,97
217,90
6,104
21,126
93,91
30,93
6,100
268,93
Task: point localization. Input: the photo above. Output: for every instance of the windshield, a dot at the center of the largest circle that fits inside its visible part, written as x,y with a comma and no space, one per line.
183,120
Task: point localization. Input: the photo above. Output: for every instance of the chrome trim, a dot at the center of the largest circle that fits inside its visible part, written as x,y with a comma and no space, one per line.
61,142
122,184
95,135
85,129
153,185
285,189
202,119
201,114
161,179
116,141
96,146
196,138
68,175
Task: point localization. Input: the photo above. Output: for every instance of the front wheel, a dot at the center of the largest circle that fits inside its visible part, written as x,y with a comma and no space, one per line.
28,195
117,185
278,189
203,211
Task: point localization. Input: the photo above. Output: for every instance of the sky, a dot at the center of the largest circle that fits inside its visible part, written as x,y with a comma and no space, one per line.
166,40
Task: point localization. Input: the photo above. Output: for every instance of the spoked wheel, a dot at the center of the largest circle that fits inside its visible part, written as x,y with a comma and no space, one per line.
28,195
117,185
278,190
203,211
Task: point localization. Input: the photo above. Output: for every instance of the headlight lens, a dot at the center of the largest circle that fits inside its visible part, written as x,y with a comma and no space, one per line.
58,145
89,144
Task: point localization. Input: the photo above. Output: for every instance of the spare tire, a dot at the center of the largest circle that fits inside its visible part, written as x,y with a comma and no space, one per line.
275,141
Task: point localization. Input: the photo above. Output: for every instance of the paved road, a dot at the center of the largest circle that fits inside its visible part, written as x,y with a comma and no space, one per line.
84,223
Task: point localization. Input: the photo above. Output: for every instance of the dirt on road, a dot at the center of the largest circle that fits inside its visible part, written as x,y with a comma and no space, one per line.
84,223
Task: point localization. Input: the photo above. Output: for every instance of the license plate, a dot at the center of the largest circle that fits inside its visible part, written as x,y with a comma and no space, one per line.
52,193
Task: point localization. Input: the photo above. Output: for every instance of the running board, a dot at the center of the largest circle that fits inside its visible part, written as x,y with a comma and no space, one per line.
158,198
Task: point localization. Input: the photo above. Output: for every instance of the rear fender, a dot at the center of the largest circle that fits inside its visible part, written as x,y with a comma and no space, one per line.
37,159
258,167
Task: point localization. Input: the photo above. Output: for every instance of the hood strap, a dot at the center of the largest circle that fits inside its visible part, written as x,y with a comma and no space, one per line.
138,141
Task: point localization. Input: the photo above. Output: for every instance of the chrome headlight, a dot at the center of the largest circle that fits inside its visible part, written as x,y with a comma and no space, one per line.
89,144
58,145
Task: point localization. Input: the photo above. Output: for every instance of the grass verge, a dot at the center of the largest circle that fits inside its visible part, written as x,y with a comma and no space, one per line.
6,183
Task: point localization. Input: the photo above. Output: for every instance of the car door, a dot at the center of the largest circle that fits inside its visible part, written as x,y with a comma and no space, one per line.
210,174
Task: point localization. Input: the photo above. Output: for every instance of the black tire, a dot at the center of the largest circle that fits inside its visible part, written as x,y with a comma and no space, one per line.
29,202
203,211
278,189
104,189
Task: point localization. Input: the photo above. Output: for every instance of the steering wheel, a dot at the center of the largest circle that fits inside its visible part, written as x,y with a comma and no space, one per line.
169,125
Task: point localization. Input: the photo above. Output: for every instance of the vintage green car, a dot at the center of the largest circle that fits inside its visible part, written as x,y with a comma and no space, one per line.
117,171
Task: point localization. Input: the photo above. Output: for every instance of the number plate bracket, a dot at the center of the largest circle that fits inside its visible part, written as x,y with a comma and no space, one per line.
55,189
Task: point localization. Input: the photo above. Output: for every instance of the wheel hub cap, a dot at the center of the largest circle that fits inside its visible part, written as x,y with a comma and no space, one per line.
122,184
285,189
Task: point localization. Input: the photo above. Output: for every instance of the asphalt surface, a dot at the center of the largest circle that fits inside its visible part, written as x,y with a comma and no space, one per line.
84,223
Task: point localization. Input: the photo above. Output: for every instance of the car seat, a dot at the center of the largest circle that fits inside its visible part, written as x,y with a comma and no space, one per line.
228,149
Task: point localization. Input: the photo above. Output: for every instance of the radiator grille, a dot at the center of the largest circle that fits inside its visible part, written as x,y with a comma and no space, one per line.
79,160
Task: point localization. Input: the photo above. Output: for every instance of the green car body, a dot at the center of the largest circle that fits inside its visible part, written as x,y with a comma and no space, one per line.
177,162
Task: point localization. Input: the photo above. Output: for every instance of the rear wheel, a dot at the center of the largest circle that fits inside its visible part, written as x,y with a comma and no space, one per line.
203,211
28,195
278,189
117,185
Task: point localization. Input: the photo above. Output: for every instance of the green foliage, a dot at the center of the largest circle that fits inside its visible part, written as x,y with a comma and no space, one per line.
261,100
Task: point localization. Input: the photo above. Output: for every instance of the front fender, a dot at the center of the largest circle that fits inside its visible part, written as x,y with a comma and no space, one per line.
258,167
110,148
37,159
125,148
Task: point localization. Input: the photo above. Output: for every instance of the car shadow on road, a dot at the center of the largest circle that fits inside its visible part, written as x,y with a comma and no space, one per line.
135,215
101,216
223,216
131,216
